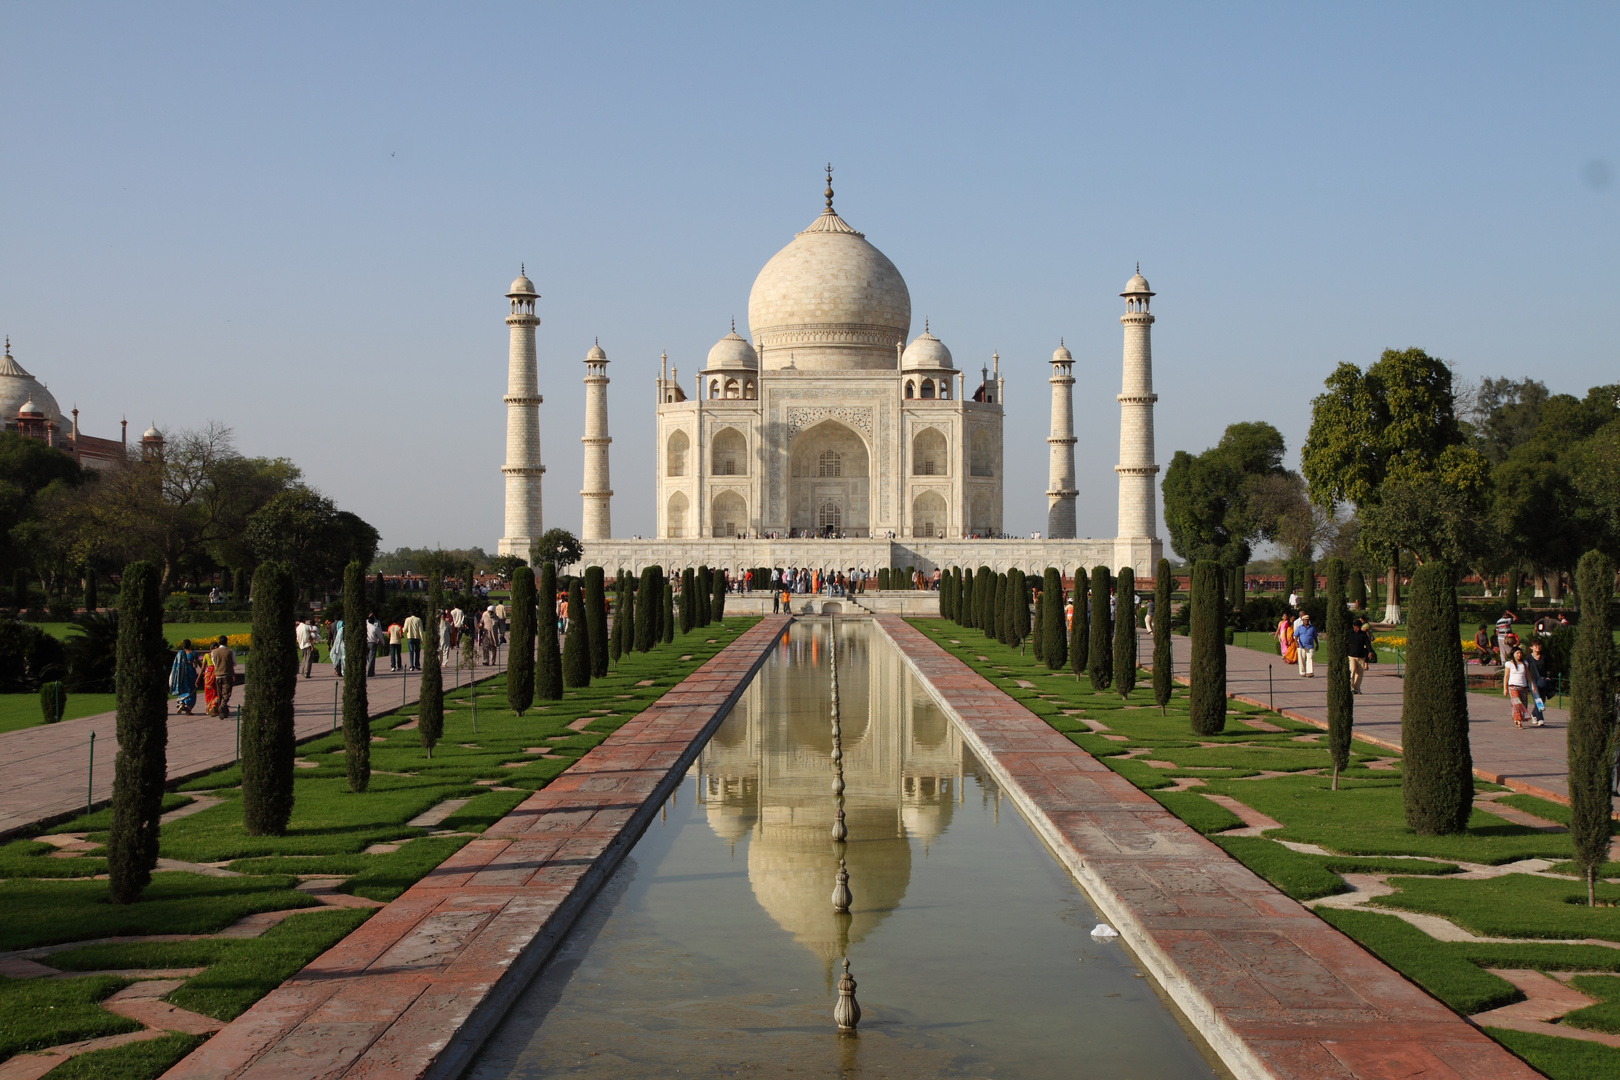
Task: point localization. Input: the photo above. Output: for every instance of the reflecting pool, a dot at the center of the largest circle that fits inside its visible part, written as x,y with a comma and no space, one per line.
713,950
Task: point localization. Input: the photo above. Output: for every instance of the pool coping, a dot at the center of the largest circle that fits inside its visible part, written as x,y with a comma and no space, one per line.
416,990
1274,990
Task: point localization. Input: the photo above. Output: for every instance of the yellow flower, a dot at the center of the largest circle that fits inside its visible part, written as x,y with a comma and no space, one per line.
239,641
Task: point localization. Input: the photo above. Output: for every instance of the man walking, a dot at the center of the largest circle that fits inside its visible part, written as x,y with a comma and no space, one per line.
224,661
1305,640
413,640
396,638
305,636
1540,685
374,641
1358,646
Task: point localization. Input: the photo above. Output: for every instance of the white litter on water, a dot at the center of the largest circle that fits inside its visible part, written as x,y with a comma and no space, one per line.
1103,930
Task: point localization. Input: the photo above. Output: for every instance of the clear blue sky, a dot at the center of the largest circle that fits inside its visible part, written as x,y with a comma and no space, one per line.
300,220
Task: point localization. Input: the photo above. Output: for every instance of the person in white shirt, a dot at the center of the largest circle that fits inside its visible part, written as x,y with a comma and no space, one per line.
413,641
306,635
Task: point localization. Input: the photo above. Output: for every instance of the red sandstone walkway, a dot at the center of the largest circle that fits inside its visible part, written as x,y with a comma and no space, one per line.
1535,760
45,770
1275,990
415,990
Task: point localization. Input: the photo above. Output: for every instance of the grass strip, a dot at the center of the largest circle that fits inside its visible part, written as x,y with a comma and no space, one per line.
1295,874
1561,1059
1605,1015
39,1013
32,859
1205,816
144,1060
1513,905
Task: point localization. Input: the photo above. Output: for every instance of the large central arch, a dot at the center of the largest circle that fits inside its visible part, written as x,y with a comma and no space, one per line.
830,468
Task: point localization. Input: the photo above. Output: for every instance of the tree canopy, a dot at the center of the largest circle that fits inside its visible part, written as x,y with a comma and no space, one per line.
1209,506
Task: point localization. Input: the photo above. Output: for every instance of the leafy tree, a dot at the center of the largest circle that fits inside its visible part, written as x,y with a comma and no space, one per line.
548,668
141,767
1125,632
576,658
267,706
596,614
1207,497
1207,672
1054,636
1591,719
1283,514
28,467
356,705
1442,513
430,699
521,651
504,566
1163,659
1100,659
1437,781
91,653
1512,597
1080,624
1336,641
1504,414
302,529
559,546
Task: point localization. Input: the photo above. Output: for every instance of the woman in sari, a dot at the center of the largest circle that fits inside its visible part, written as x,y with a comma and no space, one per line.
335,649
1285,640
210,685
183,679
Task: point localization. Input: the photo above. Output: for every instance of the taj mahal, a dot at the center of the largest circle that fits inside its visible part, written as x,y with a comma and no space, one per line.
825,438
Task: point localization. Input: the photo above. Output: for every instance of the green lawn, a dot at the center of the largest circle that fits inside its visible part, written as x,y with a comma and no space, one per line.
22,710
52,900
1362,824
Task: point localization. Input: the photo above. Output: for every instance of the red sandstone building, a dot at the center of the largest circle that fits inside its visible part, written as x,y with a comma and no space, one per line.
28,408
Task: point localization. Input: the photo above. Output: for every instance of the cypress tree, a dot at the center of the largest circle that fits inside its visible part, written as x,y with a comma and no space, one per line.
688,600
596,620
645,619
376,605
1289,578
1358,590
1038,633
267,705
1080,625
1307,580
1005,584
576,657
1025,626
1100,658
1054,637
1125,633
1513,589
1591,719
141,767
668,620
520,653
883,579
992,607
356,705
1208,638
1235,592
945,596
964,617
92,595
717,607
430,698
984,596
467,576
1341,704
548,676
1437,781
1163,658
704,585
621,605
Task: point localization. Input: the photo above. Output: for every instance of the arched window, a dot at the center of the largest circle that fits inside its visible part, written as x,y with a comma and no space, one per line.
750,391
675,516
675,454
911,389
928,515
830,463
730,517
928,388
981,461
733,389
928,454
830,516
979,522
945,389
714,389
730,453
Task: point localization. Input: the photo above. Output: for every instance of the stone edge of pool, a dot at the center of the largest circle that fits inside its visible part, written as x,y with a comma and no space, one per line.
417,988
1276,991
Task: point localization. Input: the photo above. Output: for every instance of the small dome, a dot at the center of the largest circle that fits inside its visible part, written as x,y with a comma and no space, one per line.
926,351
732,351
1137,286
28,408
19,390
1061,355
596,353
152,433
522,286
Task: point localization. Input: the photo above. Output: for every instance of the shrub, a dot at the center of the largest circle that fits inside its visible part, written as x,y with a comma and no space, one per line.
647,593
717,607
688,600
576,656
1336,642
1125,633
140,768
548,681
1437,782
356,708
267,705
52,701
30,656
1100,656
1591,719
1207,672
1163,659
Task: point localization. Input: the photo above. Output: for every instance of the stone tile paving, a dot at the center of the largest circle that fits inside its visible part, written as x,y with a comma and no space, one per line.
45,770
1531,760
1275,990
416,989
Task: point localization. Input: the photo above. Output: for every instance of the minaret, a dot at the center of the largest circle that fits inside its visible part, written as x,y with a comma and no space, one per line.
1060,489
522,469
596,524
1136,468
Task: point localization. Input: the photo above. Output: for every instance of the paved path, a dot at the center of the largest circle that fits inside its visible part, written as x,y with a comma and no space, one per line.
1532,760
1278,992
46,771
416,990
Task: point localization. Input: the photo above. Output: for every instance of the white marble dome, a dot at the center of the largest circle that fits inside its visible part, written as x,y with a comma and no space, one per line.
18,388
1061,354
596,352
830,301
1138,284
927,351
733,353
522,286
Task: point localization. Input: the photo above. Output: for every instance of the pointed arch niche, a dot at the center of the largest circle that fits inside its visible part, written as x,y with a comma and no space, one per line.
830,468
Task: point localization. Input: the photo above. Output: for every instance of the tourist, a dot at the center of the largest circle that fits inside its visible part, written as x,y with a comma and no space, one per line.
1285,637
1147,613
1545,625
562,613
413,640
374,642
1506,639
1305,640
1068,615
396,639
487,634
223,661
447,636
334,648
183,679
1540,685
1516,686
1482,642
1359,646
305,636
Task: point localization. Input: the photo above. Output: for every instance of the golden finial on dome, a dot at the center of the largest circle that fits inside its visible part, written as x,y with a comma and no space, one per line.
829,189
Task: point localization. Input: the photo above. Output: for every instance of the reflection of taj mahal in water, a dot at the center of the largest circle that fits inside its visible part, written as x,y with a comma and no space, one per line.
766,778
